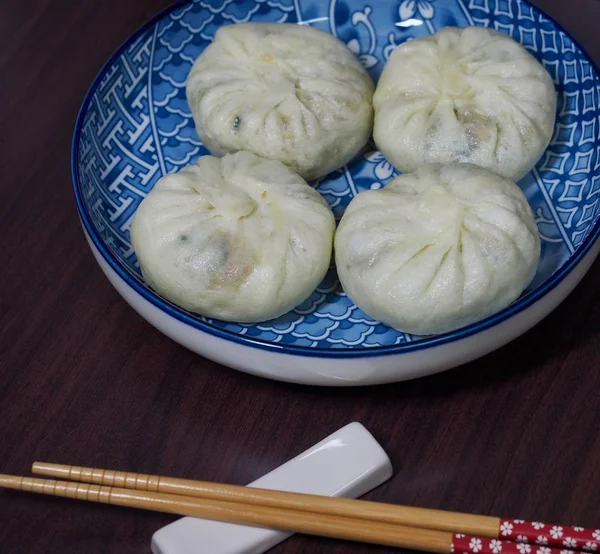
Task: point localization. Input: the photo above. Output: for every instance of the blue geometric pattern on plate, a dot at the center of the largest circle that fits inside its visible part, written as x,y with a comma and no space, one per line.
138,127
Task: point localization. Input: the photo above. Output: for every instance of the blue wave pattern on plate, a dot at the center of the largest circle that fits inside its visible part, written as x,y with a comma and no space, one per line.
139,127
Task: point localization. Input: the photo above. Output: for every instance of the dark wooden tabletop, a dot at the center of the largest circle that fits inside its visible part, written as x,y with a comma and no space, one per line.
85,380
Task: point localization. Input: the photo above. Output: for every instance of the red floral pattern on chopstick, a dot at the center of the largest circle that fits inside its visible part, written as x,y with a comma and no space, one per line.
546,534
465,544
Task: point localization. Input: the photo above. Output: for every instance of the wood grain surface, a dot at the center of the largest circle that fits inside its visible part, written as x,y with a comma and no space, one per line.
84,380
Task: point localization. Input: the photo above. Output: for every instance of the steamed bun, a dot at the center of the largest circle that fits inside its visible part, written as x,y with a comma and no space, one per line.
285,92
438,249
238,238
464,95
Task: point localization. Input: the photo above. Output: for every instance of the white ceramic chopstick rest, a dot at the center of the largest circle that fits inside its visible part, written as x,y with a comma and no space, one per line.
348,463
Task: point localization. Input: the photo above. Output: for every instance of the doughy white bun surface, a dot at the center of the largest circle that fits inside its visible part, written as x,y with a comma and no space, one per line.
283,91
464,95
438,249
237,238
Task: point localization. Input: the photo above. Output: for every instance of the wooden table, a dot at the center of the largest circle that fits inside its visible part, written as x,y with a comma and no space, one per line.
85,380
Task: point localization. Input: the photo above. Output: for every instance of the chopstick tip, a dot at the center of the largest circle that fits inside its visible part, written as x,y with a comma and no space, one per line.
49,470
10,481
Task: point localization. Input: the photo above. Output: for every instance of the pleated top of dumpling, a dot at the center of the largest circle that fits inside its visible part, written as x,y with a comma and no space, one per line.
437,249
286,92
238,238
469,95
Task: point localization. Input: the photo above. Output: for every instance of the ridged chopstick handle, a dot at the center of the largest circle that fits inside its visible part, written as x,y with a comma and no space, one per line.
110,478
79,491
547,535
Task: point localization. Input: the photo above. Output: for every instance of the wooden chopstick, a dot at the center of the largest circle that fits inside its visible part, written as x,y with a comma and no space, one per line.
279,518
545,535
363,509
234,512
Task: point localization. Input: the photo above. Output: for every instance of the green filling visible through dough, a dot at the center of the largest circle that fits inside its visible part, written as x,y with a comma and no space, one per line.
237,120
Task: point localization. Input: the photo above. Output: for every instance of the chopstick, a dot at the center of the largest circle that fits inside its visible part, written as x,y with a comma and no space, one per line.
361,530
234,512
458,524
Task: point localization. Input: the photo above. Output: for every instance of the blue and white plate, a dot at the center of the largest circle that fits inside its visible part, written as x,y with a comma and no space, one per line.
135,126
